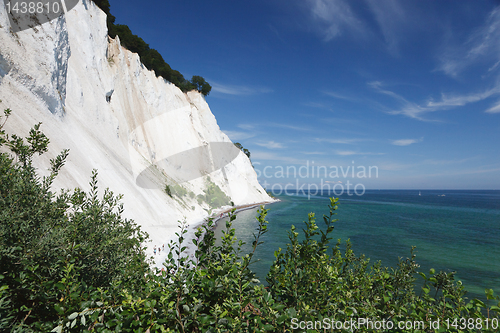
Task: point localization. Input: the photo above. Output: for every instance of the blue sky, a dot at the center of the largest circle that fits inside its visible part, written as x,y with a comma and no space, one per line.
409,87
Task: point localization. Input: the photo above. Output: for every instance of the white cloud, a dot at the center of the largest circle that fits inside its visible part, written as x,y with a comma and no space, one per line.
406,142
317,105
238,90
390,17
339,141
346,152
270,156
250,127
237,135
482,44
247,127
270,144
333,17
416,111
492,68
409,109
447,162
494,108
339,96
350,152
460,100
377,85
394,166
313,152
464,172
292,127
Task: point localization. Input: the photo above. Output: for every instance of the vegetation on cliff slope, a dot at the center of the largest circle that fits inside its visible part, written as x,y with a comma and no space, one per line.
69,262
151,58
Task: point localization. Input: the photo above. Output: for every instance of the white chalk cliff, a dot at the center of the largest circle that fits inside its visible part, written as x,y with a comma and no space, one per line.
140,132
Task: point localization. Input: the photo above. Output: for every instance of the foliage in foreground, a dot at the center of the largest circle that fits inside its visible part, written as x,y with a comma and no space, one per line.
71,263
58,251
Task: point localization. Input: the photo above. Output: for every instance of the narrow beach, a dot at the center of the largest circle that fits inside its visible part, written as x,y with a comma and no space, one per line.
217,215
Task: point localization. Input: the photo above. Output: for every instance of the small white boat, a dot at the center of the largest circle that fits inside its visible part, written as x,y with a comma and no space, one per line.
419,193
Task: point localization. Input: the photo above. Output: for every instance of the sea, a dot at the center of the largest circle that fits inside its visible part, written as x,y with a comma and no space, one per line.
452,230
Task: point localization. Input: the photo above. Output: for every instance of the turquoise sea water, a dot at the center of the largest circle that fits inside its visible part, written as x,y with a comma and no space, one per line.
459,231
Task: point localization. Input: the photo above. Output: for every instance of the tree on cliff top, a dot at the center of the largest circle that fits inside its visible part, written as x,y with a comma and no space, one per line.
151,58
201,85
240,146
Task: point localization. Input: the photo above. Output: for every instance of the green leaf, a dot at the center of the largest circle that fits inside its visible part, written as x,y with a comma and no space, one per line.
57,329
73,316
268,327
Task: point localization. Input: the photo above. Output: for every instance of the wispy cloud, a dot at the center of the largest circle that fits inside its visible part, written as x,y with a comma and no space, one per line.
271,156
314,152
276,32
482,44
339,96
394,166
408,109
247,127
345,152
464,172
390,17
448,162
406,142
317,105
270,144
238,90
238,135
377,85
334,17
350,152
460,100
339,141
292,127
495,108
255,127
416,111
492,68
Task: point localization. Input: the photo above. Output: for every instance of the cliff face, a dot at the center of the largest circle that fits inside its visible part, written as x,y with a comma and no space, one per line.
140,132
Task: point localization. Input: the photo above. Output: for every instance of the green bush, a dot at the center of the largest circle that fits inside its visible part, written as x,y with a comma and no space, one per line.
56,250
179,191
213,196
168,190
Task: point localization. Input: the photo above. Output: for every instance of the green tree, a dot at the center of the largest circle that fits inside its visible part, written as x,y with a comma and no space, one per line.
201,85
151,58
244,150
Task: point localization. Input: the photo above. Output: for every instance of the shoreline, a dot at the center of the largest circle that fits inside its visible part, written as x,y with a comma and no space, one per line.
192,227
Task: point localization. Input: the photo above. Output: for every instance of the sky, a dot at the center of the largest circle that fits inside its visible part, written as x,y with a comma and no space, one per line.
409,90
